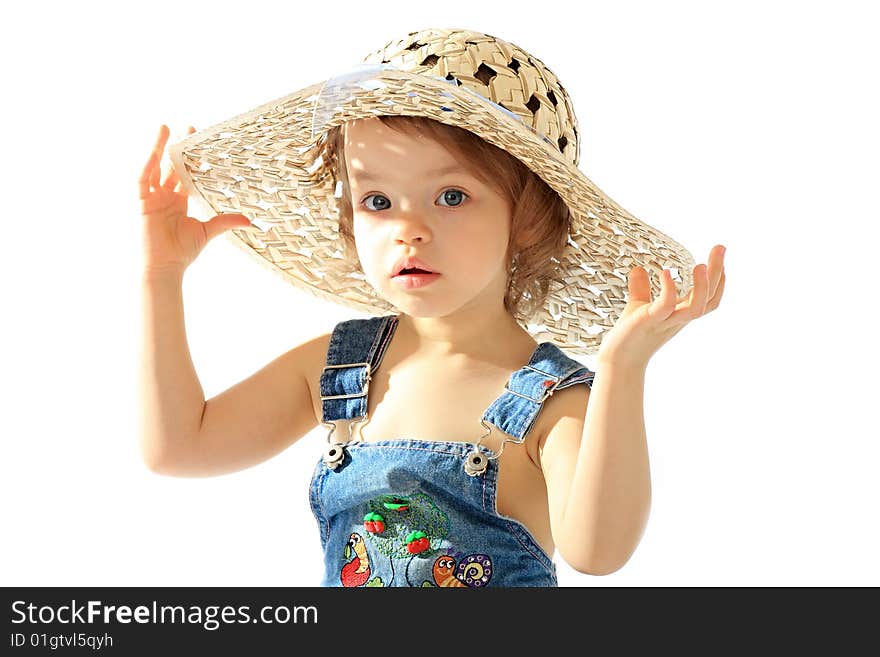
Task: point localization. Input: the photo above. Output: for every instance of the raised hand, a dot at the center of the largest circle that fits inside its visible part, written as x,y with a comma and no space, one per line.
171,239
645,325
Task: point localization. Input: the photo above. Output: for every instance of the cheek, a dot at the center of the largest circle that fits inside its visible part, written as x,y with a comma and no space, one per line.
365,238
484,247
369,244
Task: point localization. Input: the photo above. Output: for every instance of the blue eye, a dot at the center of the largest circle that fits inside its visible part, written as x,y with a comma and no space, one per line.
448,195
385,204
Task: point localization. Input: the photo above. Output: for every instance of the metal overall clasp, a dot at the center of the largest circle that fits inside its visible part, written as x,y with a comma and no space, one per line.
335,452
476,461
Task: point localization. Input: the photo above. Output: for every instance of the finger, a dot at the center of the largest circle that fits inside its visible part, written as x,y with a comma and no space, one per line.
700,291
684,299
696,305
639,285
172,182
673,290
716,265
157,153
147,175
716,298
664,305
223,222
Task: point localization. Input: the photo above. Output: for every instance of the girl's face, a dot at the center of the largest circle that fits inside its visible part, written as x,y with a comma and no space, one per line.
404,205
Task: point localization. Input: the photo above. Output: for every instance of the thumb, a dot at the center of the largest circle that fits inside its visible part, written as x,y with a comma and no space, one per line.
223,222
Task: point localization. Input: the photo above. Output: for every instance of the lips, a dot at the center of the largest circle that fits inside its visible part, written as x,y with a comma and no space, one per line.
411,265
414,281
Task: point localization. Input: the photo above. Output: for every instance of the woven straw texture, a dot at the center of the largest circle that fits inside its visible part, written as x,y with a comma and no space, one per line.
270,165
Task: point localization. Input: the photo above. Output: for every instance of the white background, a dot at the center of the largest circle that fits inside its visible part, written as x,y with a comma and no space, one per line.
748,124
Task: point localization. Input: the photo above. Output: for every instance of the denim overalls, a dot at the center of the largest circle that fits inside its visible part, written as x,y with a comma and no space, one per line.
411,512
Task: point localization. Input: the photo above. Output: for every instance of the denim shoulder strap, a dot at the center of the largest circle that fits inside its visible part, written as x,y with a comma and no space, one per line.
548,370
358,345
356,349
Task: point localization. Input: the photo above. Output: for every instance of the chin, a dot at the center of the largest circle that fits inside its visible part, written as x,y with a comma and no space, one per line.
427,308
422,308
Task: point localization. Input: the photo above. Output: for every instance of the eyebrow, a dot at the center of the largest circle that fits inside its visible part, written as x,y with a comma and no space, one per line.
364,176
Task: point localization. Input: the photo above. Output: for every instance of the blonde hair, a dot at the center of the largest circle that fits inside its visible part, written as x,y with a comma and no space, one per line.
539,217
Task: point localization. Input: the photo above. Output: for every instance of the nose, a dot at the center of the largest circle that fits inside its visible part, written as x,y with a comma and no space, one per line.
410,228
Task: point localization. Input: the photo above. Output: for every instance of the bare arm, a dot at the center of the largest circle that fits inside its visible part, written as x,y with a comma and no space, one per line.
172,399
182,434
595,462
611,483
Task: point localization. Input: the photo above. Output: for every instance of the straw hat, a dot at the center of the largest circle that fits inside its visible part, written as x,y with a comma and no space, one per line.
270,164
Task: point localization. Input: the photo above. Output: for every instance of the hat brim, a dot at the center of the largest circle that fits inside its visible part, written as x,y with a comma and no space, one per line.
267,165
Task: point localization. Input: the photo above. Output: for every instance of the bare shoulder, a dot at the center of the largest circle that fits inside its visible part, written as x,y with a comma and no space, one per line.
314,350
311,357
562,419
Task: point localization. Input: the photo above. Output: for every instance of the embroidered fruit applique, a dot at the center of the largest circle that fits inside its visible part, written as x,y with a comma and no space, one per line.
396,504
374,523
402,526
417,541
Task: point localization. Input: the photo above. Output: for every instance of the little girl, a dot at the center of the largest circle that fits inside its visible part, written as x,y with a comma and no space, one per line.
461,451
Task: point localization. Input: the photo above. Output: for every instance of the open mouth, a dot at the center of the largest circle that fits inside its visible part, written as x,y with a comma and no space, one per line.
415,270
413,278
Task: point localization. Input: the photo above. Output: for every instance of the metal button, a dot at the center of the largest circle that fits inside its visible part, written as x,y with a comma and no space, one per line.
476,463
333,456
